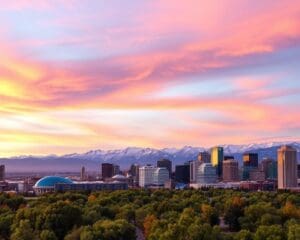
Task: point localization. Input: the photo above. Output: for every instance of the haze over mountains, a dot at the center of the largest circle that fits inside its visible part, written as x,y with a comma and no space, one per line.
124,157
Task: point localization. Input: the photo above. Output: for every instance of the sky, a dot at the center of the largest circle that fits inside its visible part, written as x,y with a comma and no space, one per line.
80,75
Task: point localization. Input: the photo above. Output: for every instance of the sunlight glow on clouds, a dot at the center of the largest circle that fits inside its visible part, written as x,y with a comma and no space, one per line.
111,74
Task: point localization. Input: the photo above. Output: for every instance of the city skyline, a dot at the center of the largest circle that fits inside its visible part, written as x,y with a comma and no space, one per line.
107,75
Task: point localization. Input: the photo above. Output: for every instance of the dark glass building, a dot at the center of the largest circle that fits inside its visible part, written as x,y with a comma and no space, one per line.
250,161
107,170
165,163
182,173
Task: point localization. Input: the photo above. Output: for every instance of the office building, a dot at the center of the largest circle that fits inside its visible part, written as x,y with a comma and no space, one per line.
153,176
269,167
287,167
134,172
257,175
82,174
206,174
217,156
2,172
107,170
160,176
146,175
116,169
250,162
182,173
230,170
165,163
194,170
204,157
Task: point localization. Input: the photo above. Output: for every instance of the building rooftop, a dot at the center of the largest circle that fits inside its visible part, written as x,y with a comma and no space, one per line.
50,181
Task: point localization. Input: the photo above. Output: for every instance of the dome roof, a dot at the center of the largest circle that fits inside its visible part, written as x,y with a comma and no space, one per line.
119,176
50,181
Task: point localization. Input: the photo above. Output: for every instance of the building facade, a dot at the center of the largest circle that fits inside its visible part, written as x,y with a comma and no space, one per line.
230,170
206,174
160,176
2,172
204,157
165,163
182,173
250,163
217,157
107,170
287,167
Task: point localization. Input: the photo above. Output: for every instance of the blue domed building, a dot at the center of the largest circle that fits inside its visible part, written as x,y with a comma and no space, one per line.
47,184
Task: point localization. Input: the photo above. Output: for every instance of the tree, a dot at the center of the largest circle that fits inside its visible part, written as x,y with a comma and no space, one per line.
23,232
148,223
234,209
294,232
243,235
209,214
47,235
274,232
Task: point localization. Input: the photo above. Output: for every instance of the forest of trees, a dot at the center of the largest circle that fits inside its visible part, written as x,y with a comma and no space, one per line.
159,215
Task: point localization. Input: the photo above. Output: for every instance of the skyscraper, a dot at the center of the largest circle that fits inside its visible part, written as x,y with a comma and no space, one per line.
217,156
107,170
82,174
165,163
204,157
206,174
194,170
230,170
287,167
160,176
250,162
153,176
146,175
269,167
134,171
182,173
2,172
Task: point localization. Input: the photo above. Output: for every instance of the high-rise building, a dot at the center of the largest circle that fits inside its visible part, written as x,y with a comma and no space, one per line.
152,176
182,173
146,175
107,170
116,169
217,156
165,163
160,176
204,157
250,161
134,172
269,167
82,174
287,167
194,170
230,170
2,172
206,174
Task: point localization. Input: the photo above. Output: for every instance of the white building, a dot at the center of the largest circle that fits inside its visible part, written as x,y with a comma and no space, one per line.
152,176
146,174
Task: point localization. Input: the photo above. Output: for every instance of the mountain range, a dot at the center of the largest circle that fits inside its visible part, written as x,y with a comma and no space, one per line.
125,157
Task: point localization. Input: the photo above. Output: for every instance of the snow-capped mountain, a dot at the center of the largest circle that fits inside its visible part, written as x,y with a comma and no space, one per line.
127,156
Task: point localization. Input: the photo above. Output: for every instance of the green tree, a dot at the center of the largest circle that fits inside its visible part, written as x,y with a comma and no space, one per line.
23,232
47,235
274,232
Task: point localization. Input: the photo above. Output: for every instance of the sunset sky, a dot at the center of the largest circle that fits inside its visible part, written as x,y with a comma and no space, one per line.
78,75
